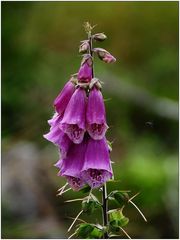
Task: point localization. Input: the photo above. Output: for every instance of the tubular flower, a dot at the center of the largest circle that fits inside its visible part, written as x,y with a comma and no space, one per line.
70,167
97,168
57,136
95,115
73,122
62,100
85,72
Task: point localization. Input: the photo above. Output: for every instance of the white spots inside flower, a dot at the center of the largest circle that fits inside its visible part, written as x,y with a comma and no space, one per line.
75,133
97,131
75,183
96,177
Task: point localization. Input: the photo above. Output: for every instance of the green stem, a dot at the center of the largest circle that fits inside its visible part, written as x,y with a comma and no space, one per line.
91,51
105,208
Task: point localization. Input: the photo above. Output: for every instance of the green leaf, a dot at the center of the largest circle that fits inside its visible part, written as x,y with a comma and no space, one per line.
84,230
85,189
89,205
117,219
124,221
114,226
119,196
89,231
96,233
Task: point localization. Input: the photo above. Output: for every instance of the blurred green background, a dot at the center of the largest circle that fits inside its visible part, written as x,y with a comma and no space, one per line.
39,52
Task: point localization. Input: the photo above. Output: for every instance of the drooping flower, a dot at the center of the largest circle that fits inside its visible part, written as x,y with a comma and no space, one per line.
70,167
57,136
62,100
97,167
95,115
73,122
85,71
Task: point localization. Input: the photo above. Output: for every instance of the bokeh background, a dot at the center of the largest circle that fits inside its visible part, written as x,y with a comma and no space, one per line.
39,53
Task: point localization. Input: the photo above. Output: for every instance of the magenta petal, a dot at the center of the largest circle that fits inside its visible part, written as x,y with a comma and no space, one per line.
85,73
53,135
64,144
58,164
108,58
53,121
57,136
73,122
95,115
75,183
64,96
97,167
71,166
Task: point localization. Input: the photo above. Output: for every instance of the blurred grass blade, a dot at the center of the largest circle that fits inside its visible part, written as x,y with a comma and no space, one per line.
138,210
125,232
69,229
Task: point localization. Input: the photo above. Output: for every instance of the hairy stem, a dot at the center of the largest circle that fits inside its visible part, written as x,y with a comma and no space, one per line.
91,51
104,190
105,208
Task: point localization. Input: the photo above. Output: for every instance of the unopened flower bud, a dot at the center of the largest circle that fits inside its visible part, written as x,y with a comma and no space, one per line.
85,71
104,55
99,37
87,58
83,48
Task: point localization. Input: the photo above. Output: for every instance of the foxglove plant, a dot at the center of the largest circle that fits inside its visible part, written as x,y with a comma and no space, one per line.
78,129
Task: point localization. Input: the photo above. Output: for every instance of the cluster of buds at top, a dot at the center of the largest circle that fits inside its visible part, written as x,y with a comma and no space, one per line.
102,53
78,126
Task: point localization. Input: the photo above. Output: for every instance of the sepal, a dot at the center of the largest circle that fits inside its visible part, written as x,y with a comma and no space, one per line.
84,47
117,219
87,58
89,231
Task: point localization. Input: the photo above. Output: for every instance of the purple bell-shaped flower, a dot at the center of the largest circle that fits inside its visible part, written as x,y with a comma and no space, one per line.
73,122
97,167
70,167
95,115
57,136
62,100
